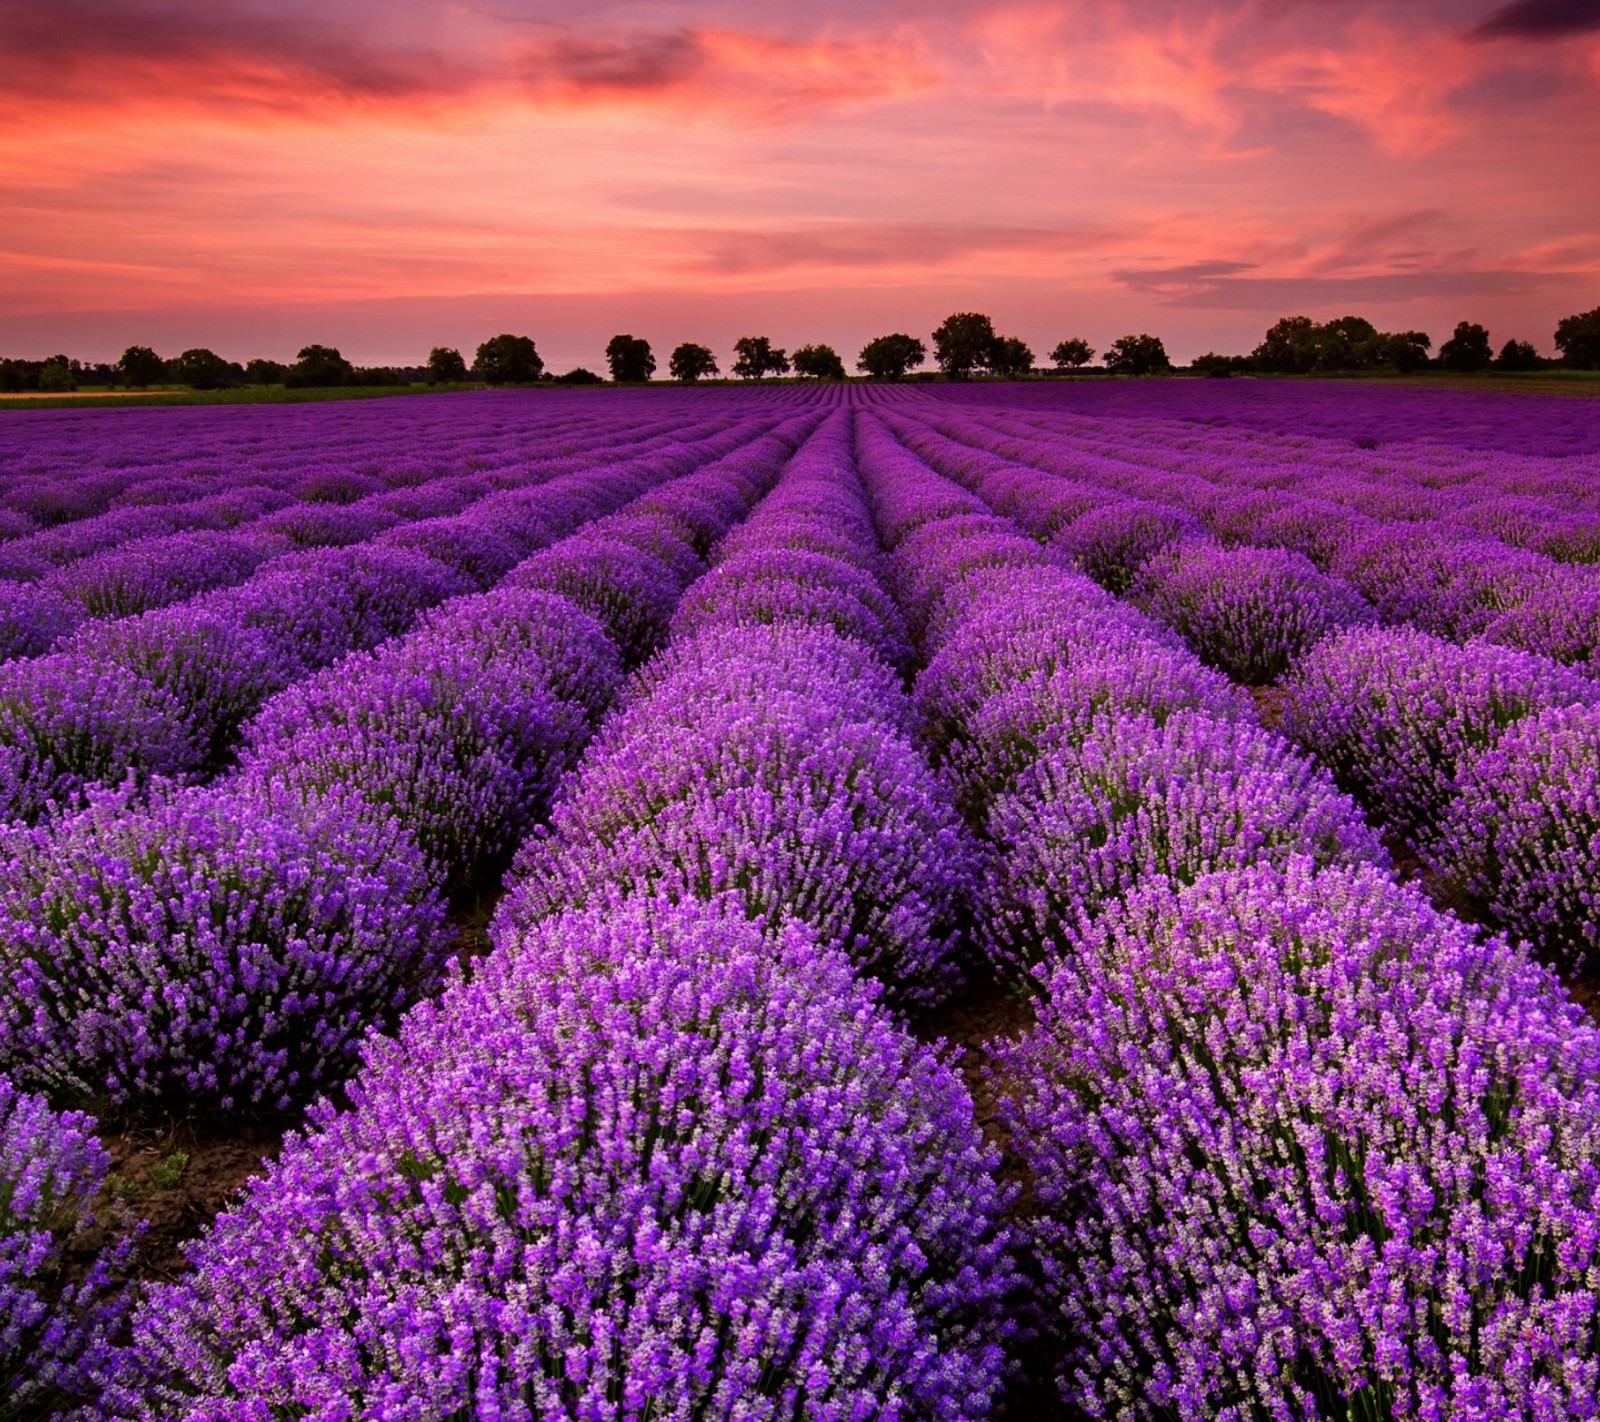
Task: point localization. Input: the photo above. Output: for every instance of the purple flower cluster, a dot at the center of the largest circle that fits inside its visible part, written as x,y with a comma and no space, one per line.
648,1162
1134,801
215,948
463,739
1248,612
770,768
61,1297
1305,1147
1111,542
1522,834
1395,713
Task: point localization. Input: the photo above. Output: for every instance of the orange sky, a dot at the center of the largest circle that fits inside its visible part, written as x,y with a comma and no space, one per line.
388,176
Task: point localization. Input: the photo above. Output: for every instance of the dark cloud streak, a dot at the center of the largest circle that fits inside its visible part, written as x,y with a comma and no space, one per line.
1540,19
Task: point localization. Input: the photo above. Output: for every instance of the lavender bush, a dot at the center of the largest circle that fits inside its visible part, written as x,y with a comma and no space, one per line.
218,948
1393,713
57,1320
1304,1147
647,1163
777,798
1522,836
1248,612
1133,801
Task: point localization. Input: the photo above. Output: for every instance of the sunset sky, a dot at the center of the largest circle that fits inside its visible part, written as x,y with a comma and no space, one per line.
387,176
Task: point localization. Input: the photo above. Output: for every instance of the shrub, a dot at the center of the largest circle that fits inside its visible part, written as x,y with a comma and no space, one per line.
220,947
1248,612
776,799
632,594
1110,543
1394,713
790,585
61,1302
1134,801
648,1163
1303,1146
463,746
33,619
1522,835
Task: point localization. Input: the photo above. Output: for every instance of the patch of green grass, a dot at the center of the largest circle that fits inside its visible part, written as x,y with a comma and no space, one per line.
168,1171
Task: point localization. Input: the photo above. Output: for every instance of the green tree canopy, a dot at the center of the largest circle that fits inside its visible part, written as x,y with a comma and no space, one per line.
757,356
819,362
202,369
1468,349
1578,340
1072,353
141,366
1138,355
261,371
890,357
630,359
690,362
508,360
318,367
1010,357
962,343
1518,355
446,366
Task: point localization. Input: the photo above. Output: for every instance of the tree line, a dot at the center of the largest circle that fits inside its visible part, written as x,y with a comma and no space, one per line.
964,344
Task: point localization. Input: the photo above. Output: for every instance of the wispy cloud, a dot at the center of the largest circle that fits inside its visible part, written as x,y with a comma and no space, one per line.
1540,19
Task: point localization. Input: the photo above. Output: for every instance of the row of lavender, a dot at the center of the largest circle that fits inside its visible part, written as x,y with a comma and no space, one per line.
1379,686
230,945
179,527
1299,1144
667,1151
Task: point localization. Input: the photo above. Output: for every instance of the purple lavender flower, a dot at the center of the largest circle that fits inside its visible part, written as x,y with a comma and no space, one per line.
59,1311
776,797
1109,543
1134,801
216,948
1302,1146
1394,713
33,619
1522,835
1248,612
794,585
649,1162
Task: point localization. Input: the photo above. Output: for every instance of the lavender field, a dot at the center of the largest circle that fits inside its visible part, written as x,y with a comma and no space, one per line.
830,902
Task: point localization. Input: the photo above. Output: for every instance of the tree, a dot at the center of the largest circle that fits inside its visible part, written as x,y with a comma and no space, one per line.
578,375
1138,355
56,377
1072,354
1468,349
141,366
507,360
819,362
201,369
1010,357
963,343
690,362
1289,347
630,360
1215,365
1518,355
758,357
890,357
318,368
1404,351
1578,340
1348,343
265,372
446,366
